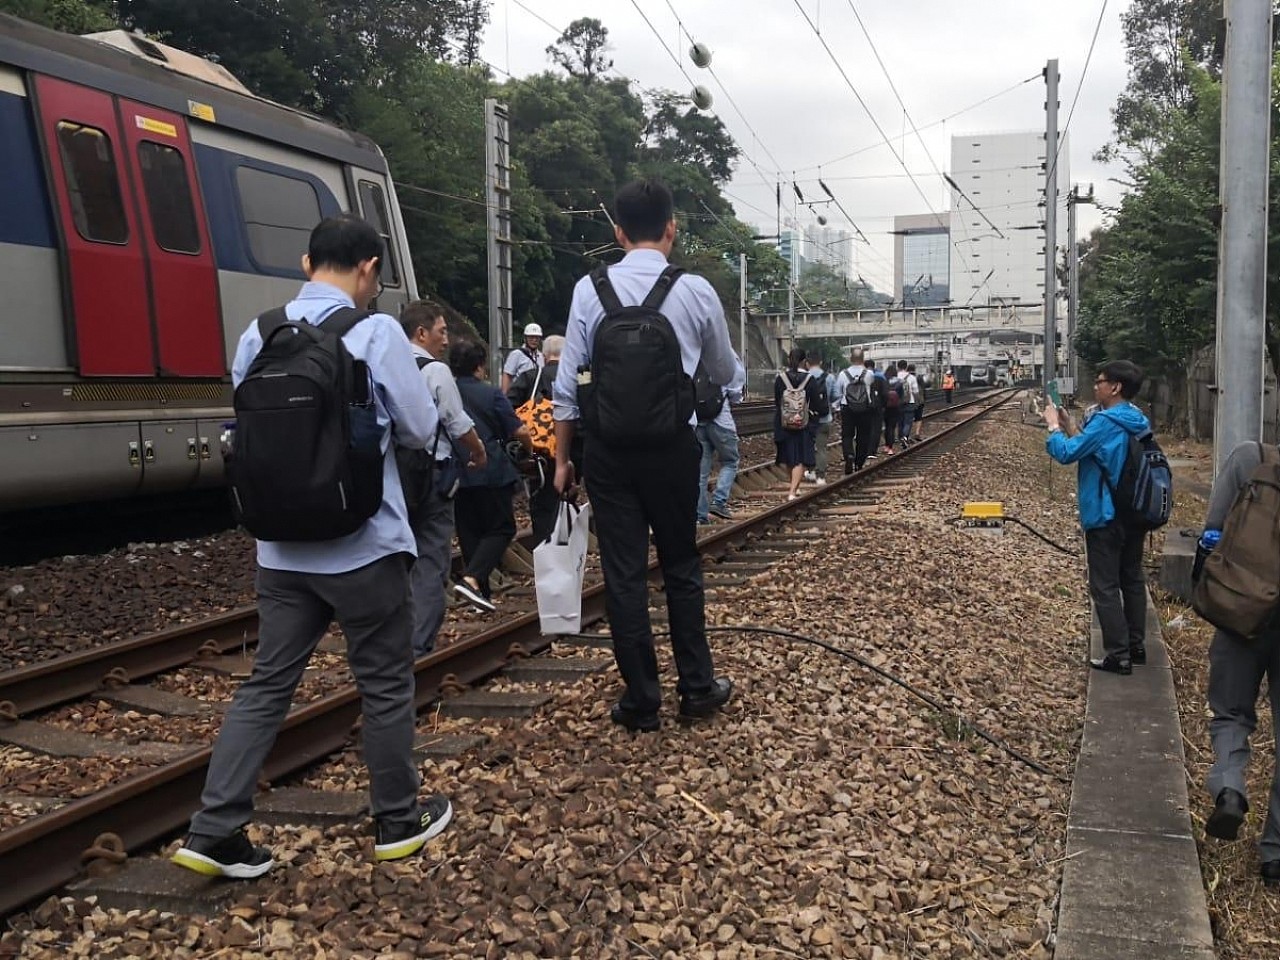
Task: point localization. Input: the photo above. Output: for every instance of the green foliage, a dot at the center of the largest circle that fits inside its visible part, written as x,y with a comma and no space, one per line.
71,16
582,50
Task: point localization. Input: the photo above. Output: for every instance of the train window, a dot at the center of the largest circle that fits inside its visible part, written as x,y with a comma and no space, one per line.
173,215
93,183
373,207
280,213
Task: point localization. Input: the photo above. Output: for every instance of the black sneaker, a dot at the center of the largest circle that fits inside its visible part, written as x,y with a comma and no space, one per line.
700,706
1270,872
395,841
1113,664
634,721
1228,813
1138,654
475,595
722,511
230,856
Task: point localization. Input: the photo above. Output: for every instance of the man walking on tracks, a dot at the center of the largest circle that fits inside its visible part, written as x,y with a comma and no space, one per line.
856,388
636,334
361,577
1113,547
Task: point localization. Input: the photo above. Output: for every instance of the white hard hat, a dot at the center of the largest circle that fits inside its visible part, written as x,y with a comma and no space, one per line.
533,330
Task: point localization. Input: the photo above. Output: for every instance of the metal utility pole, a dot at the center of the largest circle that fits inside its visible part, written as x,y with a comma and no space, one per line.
791,291
1074,198
742,308
497,197
1050,224
1242,250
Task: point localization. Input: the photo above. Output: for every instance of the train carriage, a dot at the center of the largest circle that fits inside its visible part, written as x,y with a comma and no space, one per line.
150,206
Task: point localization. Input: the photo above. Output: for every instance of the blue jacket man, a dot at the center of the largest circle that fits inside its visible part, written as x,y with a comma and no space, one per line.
1114,550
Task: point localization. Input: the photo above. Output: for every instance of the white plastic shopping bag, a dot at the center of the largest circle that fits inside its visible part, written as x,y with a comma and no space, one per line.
558,565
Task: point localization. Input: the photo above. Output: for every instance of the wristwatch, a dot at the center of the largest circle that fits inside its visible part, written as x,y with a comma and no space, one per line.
1055,428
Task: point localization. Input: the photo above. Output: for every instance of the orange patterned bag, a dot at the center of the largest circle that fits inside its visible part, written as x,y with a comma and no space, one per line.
536,414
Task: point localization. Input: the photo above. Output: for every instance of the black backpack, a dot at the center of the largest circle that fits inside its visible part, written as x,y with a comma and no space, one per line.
307,460
417,467
822,405
635,391
1143,496
857,394
708,397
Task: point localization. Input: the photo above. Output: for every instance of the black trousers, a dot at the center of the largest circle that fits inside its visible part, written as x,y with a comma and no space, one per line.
486,523
632,492
858,433
892,417
1117,585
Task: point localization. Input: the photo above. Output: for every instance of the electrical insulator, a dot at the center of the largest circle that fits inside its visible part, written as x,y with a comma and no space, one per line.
700,54
701,97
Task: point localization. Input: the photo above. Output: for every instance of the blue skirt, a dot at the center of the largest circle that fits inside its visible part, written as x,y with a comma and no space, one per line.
795,447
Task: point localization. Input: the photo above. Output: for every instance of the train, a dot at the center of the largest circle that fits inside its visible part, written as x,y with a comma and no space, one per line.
150,207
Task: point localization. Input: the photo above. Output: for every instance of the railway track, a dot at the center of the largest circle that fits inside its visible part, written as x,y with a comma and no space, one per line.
756,416
46,852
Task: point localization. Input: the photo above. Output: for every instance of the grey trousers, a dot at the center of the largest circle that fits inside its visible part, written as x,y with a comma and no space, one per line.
294,610
821,437
1236,669
429,578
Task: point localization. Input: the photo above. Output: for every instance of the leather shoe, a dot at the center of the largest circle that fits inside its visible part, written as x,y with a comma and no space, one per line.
1270,872
702,705
1138,654
1113,664
633,720
1228,813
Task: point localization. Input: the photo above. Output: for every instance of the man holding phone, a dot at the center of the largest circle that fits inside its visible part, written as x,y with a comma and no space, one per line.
1113,548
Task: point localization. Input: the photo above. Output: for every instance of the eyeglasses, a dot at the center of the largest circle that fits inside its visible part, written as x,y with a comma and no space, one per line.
1101,380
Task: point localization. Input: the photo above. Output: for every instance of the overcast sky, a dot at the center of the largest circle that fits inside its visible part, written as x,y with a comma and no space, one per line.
798,114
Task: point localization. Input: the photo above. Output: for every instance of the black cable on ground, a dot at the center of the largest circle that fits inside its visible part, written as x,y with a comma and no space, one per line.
1057,546
961,721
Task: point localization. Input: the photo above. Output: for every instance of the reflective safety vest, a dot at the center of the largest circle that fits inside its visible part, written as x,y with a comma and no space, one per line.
948,382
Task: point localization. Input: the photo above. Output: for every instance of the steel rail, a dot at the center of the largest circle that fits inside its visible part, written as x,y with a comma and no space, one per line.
44,853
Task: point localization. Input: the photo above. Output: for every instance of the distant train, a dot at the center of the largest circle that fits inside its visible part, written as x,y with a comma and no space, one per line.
150,206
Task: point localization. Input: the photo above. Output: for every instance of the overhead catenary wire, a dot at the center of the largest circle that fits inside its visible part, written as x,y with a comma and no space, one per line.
1053,169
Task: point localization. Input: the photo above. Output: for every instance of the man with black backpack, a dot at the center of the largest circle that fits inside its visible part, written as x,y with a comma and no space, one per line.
321,388
429,477
636,335
1113,538
857,390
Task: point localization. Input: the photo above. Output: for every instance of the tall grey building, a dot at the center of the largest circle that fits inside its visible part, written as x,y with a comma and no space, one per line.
1002,174
921,260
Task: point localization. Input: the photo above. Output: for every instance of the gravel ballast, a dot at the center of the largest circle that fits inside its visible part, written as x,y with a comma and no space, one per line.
827,813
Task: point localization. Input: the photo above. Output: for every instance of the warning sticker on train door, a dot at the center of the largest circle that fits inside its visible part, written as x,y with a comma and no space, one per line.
202,111
156,126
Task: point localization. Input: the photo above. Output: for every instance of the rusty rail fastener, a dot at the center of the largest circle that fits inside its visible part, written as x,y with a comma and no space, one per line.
451,686
8,711
209,648
515,652
104,856
117,678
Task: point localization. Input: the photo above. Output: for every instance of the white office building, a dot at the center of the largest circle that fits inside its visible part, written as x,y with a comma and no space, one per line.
1002,174
831,247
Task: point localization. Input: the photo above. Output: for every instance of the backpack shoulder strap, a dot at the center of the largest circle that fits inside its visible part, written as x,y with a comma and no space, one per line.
340,322
423,361
604,290
533,392
662,287
269,321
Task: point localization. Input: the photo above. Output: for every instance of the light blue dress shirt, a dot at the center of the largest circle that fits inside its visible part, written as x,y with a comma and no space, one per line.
399,398
692,307
732,394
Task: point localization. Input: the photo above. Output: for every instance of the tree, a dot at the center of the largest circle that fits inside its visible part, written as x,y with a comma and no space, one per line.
678,133
582,50
71,16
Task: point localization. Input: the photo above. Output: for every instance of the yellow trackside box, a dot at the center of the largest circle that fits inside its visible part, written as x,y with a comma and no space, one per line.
983,510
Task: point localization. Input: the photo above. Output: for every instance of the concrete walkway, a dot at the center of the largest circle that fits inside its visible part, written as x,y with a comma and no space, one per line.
1131,886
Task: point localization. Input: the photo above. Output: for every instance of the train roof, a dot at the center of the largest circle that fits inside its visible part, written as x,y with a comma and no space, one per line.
145,71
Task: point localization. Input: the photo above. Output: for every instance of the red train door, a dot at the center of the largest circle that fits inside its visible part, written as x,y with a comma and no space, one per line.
184,278
107,275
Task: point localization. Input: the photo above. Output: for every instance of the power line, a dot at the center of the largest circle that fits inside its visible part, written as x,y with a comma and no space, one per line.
1079,86
928,126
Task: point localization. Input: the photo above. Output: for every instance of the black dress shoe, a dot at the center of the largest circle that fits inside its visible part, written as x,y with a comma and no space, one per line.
1270,872
1138,654
633,720
1113,664
698,706
1228,813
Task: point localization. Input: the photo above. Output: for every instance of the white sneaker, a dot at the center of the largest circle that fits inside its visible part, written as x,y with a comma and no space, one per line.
810,476
793,496
821,482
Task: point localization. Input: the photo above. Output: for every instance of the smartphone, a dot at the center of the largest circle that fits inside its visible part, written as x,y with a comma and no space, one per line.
1054,395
